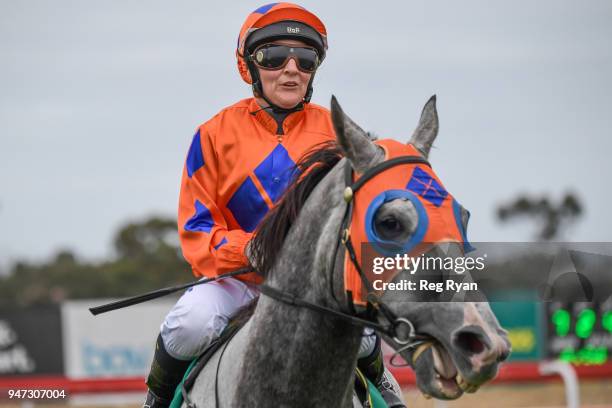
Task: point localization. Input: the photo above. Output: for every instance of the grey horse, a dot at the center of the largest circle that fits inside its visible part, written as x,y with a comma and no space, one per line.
287,356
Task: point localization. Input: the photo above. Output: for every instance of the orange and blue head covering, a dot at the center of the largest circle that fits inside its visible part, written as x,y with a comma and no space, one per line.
439,214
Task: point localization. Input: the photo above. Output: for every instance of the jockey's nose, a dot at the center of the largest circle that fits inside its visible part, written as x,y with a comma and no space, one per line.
291,65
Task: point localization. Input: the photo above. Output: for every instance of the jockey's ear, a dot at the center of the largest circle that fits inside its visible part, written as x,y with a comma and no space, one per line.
427,129
355,143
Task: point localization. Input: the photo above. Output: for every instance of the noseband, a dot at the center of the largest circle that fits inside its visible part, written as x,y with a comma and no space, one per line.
406,337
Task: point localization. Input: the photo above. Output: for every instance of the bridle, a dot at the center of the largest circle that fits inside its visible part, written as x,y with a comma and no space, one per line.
409,339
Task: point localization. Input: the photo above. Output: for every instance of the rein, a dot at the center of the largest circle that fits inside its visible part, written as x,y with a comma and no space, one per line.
374,305
389,329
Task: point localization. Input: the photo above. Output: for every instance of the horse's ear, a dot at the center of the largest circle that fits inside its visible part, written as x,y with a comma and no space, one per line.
355,143
427,129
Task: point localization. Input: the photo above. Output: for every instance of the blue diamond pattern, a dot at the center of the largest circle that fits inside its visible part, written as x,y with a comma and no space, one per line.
247,206
427,187
195,159
275,172
201,221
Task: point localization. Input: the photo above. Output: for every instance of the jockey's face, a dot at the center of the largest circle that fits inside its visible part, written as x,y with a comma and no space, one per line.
284,87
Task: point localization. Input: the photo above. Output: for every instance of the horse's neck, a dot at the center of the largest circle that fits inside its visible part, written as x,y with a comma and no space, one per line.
297,356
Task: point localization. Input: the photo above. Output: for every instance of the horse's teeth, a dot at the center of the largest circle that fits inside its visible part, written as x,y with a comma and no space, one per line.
461,382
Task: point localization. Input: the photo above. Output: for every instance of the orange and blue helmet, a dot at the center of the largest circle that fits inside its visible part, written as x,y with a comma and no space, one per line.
277,21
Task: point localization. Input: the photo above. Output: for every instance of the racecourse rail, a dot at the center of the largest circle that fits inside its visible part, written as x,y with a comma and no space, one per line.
510,372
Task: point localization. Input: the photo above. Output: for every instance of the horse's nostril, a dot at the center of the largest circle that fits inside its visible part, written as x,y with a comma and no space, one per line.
470,342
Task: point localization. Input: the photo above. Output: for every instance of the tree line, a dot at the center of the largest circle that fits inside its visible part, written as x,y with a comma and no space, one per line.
147,257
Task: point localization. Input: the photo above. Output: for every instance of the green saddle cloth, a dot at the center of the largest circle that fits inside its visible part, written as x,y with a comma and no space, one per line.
177,401
377,399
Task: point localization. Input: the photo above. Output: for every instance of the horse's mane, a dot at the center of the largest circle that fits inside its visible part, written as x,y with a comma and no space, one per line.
269,236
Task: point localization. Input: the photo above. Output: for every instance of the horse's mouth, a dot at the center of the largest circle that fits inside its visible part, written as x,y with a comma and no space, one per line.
446,382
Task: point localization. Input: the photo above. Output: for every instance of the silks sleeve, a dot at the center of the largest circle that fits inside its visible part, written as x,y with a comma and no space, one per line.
207,244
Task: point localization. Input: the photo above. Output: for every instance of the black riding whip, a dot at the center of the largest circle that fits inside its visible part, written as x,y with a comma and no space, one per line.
134,300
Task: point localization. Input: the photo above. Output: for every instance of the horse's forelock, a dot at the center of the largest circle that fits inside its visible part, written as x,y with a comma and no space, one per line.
272,231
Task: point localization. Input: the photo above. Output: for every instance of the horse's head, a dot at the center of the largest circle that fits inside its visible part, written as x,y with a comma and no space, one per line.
464,341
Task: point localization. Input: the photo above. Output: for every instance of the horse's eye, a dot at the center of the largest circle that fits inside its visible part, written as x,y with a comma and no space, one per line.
389,228
391,224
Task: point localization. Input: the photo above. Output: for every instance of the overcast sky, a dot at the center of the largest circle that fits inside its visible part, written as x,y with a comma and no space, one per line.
99,101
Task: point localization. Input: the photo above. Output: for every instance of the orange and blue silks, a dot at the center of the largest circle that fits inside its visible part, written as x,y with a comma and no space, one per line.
236,169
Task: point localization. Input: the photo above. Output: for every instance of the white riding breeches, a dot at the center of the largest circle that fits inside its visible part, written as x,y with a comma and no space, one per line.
201,314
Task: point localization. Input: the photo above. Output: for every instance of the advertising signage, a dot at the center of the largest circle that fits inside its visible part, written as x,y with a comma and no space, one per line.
31,342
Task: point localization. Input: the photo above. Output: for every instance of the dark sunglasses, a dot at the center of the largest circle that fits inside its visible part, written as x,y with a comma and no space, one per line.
276,56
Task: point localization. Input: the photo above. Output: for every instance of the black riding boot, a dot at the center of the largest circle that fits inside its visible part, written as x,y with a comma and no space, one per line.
373,367
165,375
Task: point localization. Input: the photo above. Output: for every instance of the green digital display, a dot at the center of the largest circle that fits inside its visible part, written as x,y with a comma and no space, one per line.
561,319
586,356
579,332
585,323
606,321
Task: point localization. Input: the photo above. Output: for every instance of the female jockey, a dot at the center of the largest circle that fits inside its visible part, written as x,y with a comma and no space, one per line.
237,167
